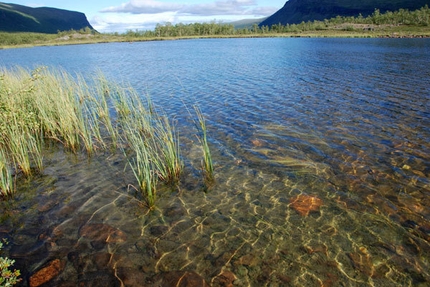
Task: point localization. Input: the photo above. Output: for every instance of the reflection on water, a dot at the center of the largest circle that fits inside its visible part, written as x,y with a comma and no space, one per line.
321,149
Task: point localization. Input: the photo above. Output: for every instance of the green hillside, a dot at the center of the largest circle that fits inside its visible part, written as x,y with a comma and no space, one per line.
296,11
18,18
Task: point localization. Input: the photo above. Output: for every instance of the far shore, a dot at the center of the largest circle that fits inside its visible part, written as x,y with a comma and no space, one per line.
74,38
397,24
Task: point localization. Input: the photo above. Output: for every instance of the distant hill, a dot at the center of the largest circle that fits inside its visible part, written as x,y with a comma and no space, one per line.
296,11
18,18
247,23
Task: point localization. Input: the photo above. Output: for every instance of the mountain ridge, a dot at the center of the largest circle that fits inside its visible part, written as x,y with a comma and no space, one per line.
297,11
19,18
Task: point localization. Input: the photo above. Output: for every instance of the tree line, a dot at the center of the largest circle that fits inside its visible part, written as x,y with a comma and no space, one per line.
402,17
420,17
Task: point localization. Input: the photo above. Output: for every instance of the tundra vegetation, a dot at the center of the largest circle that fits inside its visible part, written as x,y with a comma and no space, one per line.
7,276
46,107
401,23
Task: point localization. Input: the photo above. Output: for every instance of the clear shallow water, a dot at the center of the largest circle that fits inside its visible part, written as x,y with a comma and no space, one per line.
341,123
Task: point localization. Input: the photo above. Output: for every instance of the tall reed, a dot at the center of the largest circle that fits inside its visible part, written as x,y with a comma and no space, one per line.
166,150
62,103
153,139
207,164
72,110
19,128
142,167
135,127
6,183
18,148
51,105
104,106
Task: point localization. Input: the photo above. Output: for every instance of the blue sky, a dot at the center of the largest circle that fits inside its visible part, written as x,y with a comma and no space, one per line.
123,15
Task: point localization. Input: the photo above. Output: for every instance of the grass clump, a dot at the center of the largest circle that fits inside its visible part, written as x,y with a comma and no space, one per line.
207,165
152,139
19,126
47,106
143,167
167,151
6,183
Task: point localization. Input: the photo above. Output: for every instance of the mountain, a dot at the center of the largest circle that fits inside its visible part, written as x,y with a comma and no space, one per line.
18,18
247,23
296,11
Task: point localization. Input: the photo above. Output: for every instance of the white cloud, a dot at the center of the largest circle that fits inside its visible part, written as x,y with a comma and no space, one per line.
121,23
220,7
144,7
145,14
225,7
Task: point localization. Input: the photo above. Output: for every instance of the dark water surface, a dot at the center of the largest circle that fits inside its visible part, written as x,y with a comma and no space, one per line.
322,157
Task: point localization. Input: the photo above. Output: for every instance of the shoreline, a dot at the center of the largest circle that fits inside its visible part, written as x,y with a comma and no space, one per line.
101,39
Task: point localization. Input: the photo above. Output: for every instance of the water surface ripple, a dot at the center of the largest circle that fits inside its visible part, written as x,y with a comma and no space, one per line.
322,157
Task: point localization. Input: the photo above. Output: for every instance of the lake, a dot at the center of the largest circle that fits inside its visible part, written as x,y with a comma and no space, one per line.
322,165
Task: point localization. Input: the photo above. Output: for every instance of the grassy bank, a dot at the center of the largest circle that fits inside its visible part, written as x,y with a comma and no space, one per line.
342,31
46,107
398,24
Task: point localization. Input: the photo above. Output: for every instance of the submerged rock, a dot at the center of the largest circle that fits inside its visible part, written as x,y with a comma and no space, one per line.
224,279
34,250
362,261
258,142
48,205
47,273
174,212
158,230
99,279
181,279
102,233
304,204
316,248
131,276
246,260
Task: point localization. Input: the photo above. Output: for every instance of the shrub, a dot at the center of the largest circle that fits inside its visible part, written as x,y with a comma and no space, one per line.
8,277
